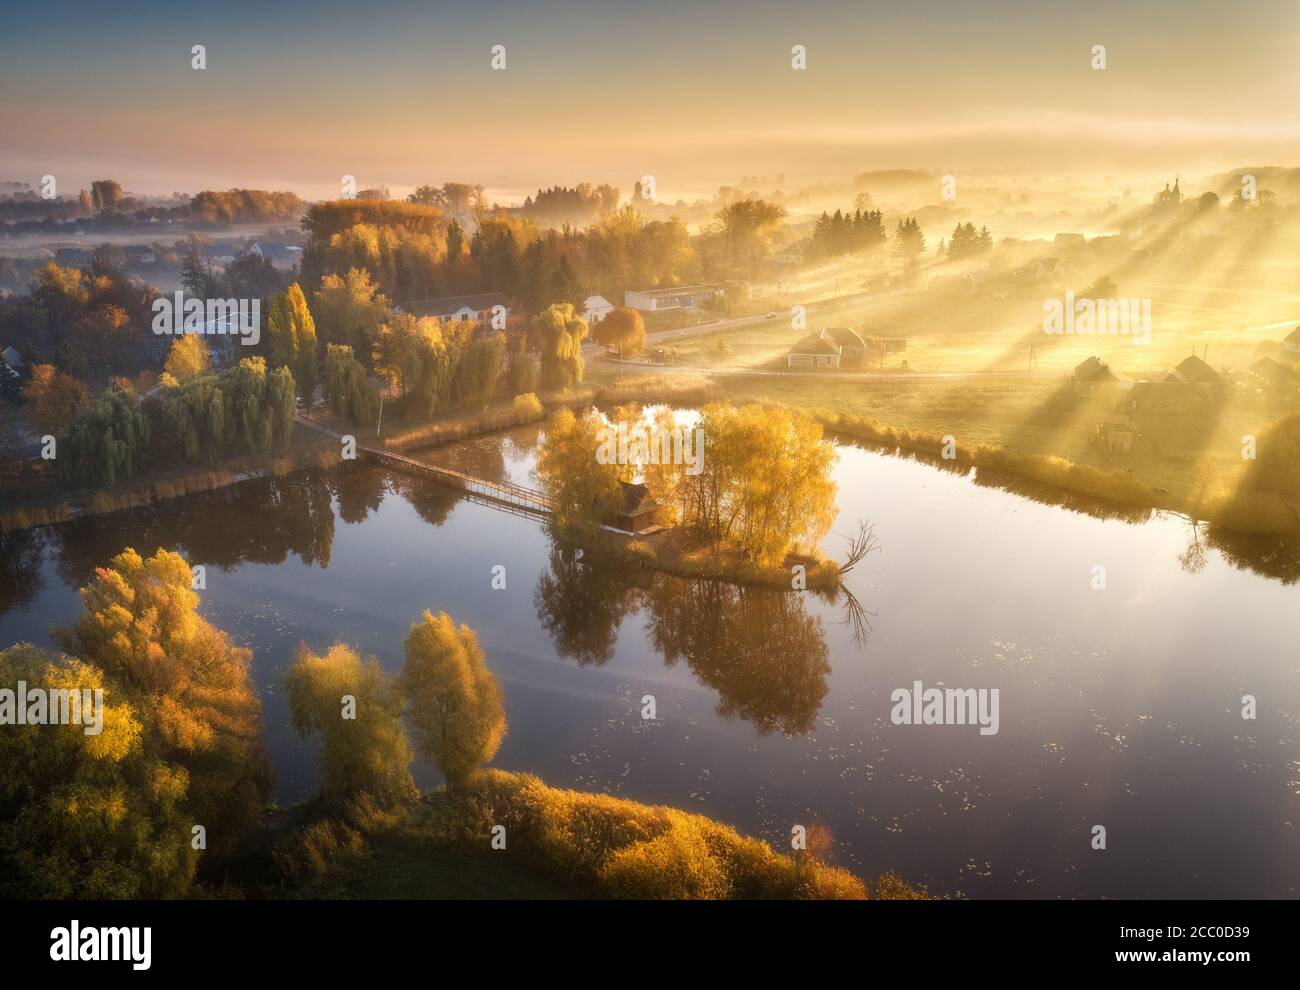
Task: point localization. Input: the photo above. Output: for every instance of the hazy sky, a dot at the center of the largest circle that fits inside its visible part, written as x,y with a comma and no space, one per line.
297,94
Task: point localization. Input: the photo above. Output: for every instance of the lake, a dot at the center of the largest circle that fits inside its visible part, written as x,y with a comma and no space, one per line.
1119,707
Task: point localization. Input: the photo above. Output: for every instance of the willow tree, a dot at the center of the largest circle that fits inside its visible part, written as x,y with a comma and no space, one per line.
193,417
454,702
356,711
292,333
259,404
188,684
347,389
561,332
105,444
478,371
583,491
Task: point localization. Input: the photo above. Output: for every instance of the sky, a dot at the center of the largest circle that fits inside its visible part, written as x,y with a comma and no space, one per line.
296,95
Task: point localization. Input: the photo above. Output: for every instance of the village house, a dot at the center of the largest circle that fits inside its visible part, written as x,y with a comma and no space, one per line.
12,360
1116,434
279,255
1163,397
596,308
639,512
1193,371
460,309
1291,344
853,349
1093,374
792,254
814,351
678,297
1272,373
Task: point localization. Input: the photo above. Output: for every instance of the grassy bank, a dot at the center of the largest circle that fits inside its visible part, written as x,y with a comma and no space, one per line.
53,505
681,554
1036,430
676,389
558,843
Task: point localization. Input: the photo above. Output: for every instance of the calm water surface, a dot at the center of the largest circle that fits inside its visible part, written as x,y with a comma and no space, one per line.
1119,708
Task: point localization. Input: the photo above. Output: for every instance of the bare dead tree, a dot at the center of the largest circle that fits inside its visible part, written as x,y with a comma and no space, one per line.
860,545
857,617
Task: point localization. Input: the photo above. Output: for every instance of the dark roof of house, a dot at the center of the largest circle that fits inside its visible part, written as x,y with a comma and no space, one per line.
637,500
814,343
1267,367
1094,369
451,304
1166,388
1194,370
843,336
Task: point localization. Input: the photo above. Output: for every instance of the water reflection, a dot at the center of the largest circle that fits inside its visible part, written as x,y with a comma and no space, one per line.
21,554
758,648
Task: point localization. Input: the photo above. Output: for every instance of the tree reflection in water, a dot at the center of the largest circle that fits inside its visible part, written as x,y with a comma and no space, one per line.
758,648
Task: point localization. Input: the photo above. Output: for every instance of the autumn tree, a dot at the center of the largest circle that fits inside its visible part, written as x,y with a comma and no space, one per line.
188,684
53,398
356,712
454,703
749,227
350,309
764,485
188,357
622,328
98,816
562,332
583,490
292,332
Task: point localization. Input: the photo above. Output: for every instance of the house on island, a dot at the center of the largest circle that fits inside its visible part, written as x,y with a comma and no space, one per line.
476,308
639,512
814,351
596,308
12,360
677,297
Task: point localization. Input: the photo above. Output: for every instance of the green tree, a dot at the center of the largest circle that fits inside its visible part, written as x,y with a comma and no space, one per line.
350,393
454,702
356,711
105,444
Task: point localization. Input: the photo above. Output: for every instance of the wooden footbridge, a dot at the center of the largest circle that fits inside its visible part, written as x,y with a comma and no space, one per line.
499,494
